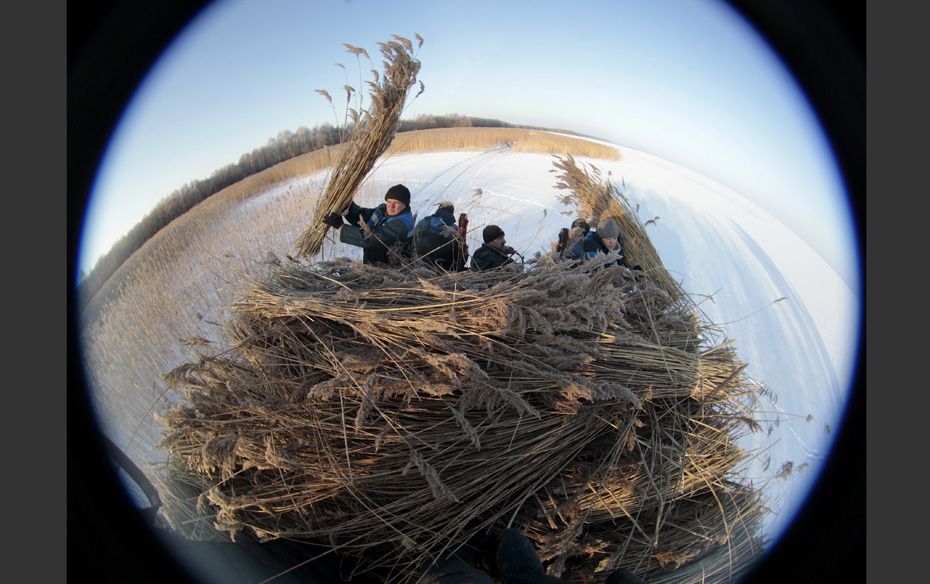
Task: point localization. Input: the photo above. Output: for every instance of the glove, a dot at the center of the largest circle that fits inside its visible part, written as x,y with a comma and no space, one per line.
509,250
348,208
334,220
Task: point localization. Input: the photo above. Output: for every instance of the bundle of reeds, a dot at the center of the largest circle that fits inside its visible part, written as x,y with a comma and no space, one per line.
371,133
395,414
597,197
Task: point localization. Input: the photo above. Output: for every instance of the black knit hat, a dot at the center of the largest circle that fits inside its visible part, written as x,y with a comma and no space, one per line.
398,193
491,232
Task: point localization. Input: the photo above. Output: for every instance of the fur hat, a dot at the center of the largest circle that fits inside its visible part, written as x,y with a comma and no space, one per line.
491,232
447,205
607,227
398,193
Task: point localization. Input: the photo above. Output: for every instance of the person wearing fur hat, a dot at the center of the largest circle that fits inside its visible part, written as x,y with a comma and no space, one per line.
605,239
386,225
436,240
494,252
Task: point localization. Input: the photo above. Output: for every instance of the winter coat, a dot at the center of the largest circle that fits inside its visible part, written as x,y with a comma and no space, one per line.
434,239
386,231
592,245
488,258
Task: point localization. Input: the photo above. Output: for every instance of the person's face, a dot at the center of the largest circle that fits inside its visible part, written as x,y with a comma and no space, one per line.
610,242
498,243
394,207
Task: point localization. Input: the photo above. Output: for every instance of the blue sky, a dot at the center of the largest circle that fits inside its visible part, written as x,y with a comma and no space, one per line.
686,80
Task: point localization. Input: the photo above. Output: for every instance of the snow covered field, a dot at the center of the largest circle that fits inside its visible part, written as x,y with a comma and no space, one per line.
716,242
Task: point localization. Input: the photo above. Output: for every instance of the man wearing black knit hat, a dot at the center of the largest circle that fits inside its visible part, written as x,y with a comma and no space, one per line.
494,253
377,230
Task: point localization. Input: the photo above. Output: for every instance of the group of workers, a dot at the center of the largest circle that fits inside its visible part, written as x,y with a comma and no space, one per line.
387,233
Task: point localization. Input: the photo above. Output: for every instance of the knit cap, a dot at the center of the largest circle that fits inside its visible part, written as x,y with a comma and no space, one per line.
491,232
398,193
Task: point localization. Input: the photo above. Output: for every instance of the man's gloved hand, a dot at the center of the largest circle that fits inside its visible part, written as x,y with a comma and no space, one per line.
509,250
334,220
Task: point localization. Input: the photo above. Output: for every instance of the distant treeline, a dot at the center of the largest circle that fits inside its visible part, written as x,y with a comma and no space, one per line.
284,146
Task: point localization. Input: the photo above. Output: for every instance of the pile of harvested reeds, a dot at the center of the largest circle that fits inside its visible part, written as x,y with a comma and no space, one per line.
597,197
395,414
372,131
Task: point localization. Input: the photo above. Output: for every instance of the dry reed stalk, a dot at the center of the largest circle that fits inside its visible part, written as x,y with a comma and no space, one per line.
597,198
372,132
396,414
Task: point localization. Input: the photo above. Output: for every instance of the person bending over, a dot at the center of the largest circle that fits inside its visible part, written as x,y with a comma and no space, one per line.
436,241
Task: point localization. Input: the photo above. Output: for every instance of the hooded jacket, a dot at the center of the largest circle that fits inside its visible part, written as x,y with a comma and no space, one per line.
434,240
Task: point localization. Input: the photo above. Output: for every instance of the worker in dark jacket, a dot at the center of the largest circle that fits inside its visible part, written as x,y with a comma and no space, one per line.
386,225
606,239
494,253
436,240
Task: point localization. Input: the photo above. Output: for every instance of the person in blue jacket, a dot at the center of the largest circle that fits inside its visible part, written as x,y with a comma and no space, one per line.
605,239
571,248
388,224
436,240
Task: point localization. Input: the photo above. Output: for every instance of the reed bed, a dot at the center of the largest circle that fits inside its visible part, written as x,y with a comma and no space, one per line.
597,197
395,414
513,139
420,141
373,128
